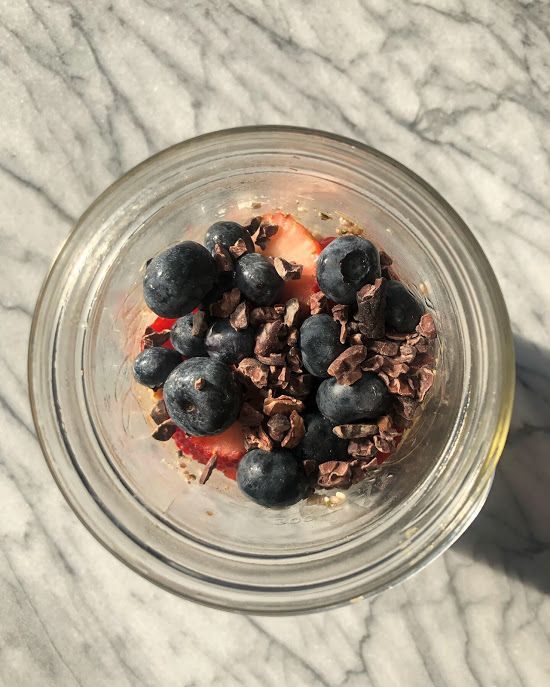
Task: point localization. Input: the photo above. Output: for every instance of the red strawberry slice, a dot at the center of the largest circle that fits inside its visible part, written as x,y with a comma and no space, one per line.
228,447
162,323
296,243
325,241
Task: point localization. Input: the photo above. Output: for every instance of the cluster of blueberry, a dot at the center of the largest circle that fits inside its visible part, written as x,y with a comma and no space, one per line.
216,357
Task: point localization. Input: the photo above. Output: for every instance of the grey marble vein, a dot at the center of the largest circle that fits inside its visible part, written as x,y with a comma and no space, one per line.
459,90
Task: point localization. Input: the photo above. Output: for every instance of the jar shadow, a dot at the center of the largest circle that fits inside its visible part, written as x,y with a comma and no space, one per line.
512,532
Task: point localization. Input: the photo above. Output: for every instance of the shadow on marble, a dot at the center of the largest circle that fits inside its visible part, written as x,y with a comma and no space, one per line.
512,532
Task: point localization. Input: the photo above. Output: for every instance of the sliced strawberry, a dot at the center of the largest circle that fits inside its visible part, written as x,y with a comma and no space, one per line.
325,241
162,323
228,447
296,243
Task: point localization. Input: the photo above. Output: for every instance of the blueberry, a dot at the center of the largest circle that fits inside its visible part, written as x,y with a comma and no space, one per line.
177,279
367,399
271,478
183,340
257,279
226,234
320,343
320,443
345,265
403,310
153,365
202,396
227,344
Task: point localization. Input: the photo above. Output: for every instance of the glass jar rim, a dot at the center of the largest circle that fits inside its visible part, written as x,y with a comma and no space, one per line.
119,541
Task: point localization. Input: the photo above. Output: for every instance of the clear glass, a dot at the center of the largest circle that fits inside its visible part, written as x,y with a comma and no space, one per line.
208,543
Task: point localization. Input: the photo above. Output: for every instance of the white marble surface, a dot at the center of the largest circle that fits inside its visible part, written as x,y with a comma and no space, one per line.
457,89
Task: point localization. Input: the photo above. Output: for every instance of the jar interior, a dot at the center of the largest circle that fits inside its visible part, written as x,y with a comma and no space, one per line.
216,514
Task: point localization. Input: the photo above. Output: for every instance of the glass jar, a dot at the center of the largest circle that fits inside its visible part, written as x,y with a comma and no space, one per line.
208,543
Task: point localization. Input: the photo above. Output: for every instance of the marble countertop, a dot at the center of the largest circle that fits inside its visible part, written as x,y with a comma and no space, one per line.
459,90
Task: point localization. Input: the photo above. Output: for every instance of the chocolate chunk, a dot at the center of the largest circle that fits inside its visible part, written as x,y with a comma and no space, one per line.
317,303
277,359
292,311
293,336
199,325
278,376
357,431
355,339
388,348
384,377
264,233
258,438
388,272
238,249
159,414
362,448
223,259
334,474
394,368
263,314
151,338
384,423
294,359
340,313
373,364
346,368
208,469
164,431
371,305
400,386
283,377
396,336
253,226
277,426
407,353
287,270
253,370
249,416
422,345
295,433
299,385
382,444
282,404
385,259
426,326
271,338
406,406
360,467
390,435
199,383
425,379
225,306
239,317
